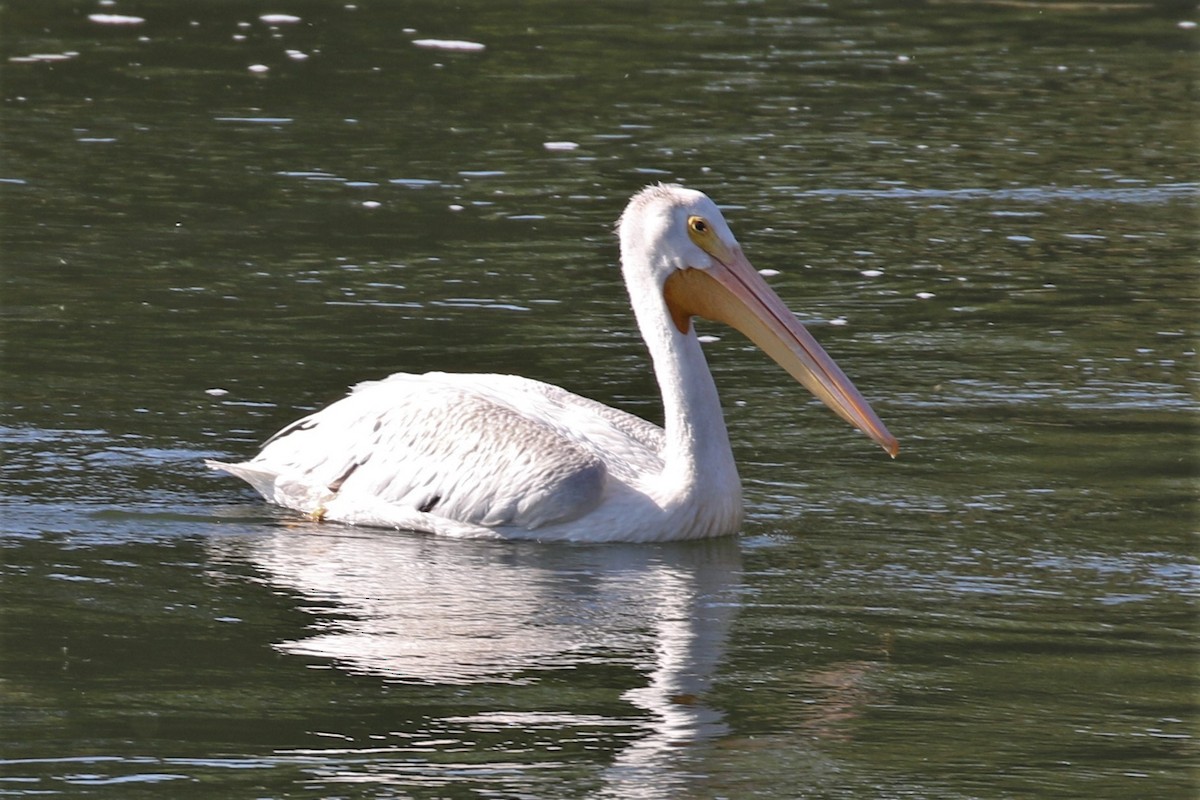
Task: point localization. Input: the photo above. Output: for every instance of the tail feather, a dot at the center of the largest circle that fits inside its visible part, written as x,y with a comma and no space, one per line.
262,480
326,504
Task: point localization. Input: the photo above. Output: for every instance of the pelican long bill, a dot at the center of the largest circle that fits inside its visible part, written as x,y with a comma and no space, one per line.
734,293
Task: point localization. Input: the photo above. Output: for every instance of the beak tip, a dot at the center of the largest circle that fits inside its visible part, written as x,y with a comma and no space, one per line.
889,443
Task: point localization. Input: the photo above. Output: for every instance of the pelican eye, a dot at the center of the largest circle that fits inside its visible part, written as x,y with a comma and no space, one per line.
700,232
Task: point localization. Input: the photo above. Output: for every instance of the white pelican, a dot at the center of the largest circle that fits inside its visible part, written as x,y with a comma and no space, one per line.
507,457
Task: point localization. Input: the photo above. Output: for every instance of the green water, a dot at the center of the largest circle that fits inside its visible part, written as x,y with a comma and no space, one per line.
986,212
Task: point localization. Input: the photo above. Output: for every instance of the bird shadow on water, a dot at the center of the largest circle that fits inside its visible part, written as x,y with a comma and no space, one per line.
533,642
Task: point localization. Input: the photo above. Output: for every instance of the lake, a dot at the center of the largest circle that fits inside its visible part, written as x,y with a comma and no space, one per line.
217,217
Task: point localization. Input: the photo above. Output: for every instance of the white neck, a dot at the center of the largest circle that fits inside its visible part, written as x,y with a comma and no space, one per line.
699,472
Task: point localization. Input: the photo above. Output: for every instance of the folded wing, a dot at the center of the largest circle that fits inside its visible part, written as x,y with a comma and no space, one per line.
481,450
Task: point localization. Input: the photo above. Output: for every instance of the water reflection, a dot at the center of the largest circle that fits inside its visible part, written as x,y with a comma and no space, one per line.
437,613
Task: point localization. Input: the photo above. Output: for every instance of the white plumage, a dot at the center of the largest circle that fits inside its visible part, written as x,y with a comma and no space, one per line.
505,456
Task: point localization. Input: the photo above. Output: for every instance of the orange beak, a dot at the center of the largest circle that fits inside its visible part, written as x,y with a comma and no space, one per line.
734,293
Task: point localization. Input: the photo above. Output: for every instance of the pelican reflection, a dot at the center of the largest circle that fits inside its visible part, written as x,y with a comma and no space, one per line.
432,612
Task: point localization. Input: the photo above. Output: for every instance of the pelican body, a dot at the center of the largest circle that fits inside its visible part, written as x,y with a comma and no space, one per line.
508,457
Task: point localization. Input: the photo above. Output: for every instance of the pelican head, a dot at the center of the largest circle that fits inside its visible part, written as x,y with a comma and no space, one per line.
679,239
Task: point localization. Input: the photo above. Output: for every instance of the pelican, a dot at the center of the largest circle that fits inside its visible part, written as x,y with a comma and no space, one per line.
503,456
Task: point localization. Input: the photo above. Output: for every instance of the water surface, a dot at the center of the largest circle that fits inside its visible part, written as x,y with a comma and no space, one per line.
213,224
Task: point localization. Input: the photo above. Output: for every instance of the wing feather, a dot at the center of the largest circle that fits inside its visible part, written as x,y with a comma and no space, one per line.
480,450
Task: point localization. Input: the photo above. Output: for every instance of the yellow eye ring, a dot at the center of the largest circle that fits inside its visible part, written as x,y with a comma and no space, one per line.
698,225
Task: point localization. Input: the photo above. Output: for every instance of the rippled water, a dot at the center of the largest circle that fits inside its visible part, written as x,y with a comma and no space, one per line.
987,213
